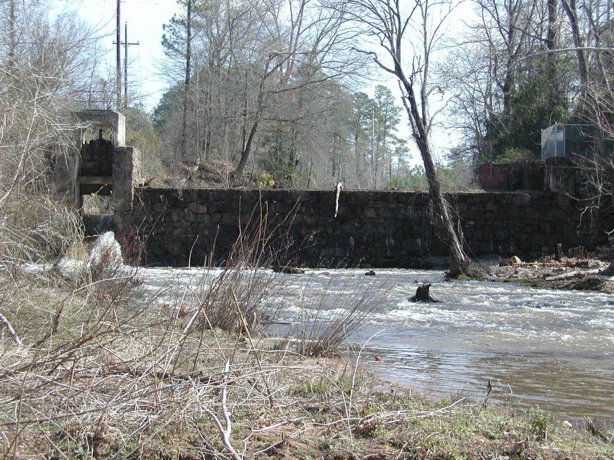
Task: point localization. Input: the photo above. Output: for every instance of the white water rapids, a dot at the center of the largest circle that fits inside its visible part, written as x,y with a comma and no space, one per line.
551,348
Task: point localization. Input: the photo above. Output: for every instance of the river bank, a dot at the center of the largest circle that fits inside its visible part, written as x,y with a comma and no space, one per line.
135,367
588,274
127,382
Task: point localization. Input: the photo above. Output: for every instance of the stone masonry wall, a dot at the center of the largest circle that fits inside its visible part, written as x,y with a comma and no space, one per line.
378,229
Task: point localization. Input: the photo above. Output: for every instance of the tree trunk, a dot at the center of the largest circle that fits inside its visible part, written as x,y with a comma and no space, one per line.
188,65
570,9
591,105
423,295
12,31
247,148
551,40
440,219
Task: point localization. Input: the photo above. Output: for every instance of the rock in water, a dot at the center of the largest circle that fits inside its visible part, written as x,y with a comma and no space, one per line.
105,257
422,294
288,270
514,260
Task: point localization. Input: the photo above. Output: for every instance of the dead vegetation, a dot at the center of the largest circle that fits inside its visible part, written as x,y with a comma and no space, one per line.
110,369
587,274
116,381
578,270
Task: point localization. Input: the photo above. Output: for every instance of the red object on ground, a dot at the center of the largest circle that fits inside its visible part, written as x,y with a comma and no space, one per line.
378,358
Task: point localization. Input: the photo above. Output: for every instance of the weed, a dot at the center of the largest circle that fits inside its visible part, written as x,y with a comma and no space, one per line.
538,423
330,318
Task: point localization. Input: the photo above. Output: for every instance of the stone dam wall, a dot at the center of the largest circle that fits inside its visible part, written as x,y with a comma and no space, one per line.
372,229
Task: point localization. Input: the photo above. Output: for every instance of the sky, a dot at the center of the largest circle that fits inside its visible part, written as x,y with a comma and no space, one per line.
145,19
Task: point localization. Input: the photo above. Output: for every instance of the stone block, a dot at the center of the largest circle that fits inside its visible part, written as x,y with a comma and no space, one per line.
501,234
507,249
370,213
491,206
522,199
126,175
229,218
197,208
375,228
413,245
556,215
159,207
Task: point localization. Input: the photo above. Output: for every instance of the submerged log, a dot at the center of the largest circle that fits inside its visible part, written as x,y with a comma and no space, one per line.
422,295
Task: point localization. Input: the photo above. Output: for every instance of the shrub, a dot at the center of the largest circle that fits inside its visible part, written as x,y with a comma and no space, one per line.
334,317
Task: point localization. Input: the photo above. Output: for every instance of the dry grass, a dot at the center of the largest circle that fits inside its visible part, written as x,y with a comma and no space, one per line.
111,370
116,376
330,318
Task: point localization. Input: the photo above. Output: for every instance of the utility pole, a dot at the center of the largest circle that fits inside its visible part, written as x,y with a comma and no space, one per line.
12,31
126,45
119,57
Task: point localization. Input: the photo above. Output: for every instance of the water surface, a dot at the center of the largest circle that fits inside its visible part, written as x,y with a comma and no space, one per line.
550,348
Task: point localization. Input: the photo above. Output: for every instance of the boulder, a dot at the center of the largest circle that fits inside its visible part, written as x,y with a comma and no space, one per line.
514,260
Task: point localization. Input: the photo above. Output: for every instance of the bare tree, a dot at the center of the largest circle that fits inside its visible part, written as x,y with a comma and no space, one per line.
188,71
389,23
551,44
43,69
591,27
310,48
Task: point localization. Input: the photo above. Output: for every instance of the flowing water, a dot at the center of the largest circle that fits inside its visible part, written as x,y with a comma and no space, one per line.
554,349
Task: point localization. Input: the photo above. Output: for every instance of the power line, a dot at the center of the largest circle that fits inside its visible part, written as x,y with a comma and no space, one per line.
126,45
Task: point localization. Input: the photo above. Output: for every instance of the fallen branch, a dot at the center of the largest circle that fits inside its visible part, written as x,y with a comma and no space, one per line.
339,188
225,432
572,274
7,325
578,263
609,270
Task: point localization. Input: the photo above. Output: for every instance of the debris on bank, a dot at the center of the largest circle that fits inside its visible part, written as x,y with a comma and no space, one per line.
574,271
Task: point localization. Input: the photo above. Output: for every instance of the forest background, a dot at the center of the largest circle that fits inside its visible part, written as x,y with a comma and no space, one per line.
287,93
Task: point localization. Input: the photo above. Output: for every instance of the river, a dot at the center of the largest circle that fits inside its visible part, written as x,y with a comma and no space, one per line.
549,348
